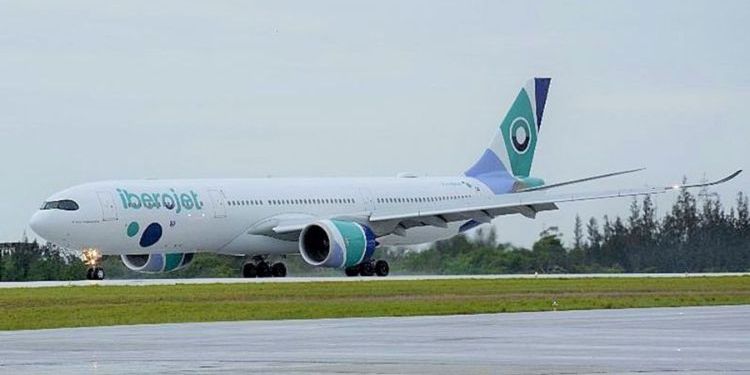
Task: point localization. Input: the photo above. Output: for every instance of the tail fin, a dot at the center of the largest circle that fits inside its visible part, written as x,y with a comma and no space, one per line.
515,141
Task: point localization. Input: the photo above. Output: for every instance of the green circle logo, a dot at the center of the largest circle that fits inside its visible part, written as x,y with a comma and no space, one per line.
133,229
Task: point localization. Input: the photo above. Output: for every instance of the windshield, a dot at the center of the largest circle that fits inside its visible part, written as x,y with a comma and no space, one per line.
65,204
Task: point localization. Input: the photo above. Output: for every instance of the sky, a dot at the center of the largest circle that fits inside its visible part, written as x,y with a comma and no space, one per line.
93,90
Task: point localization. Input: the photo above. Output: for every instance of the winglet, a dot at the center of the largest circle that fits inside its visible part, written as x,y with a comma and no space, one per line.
717,182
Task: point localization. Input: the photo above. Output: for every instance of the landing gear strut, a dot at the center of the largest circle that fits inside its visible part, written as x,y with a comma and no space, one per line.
92,258
369,268
259,267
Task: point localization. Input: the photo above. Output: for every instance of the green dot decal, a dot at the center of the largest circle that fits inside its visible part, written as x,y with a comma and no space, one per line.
133,229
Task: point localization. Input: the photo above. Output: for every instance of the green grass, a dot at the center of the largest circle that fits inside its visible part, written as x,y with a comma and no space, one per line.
116,305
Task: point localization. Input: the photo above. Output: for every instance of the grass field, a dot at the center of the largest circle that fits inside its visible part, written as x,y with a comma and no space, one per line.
36,308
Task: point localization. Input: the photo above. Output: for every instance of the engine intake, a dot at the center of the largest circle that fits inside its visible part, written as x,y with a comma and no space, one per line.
336,243
156,263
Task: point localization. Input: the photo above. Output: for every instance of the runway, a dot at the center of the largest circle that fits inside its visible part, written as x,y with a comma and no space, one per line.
658,340
146,282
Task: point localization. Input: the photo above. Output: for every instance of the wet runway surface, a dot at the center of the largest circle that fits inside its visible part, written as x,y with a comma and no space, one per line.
658,340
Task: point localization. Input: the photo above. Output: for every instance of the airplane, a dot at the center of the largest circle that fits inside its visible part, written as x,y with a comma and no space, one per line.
159,225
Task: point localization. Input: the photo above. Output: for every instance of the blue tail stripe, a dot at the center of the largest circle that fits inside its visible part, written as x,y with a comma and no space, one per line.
487,163
491,171
541,87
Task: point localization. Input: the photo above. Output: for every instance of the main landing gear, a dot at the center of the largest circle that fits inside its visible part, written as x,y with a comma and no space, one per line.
369,268
92,258
95,273
259,267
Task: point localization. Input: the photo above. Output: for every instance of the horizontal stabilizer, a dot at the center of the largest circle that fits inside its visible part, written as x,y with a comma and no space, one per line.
571,182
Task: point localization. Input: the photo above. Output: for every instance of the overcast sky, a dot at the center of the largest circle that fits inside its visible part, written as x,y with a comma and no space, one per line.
93,90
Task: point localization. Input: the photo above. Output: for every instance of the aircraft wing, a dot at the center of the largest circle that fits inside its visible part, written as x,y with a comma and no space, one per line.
526,203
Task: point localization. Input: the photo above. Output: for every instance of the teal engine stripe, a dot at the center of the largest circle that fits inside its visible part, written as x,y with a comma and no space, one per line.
172,261
356,241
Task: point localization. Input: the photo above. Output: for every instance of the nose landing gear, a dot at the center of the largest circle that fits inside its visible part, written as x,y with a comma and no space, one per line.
95,273
92,258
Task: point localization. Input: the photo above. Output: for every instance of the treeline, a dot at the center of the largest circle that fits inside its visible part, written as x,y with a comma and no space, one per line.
696,235
25,261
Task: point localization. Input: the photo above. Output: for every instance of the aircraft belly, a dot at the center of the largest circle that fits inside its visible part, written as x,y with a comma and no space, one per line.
421,235
248,244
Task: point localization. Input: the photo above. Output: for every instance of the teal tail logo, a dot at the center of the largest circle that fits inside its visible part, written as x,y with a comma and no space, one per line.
520,127
509,157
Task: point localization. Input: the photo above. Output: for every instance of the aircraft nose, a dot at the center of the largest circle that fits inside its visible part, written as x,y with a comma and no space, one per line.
40,224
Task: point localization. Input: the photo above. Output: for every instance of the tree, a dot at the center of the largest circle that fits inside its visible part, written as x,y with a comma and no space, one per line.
549,253
578,234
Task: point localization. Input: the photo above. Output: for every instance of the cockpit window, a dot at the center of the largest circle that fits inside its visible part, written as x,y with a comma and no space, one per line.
65,204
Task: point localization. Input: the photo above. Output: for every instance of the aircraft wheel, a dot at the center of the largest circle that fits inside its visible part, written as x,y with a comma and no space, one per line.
249,271
278,270
99,273
95,273
352,271
382,268
366,269
264,270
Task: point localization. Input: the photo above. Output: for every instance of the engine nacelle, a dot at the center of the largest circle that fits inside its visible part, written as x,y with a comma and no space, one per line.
156,263
336,243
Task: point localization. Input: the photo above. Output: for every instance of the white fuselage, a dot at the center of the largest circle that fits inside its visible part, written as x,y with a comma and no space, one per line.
232,216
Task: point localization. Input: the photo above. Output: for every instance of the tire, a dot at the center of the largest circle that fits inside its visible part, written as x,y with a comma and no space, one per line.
264,270
366,269
278,270
90,274
382,268
352,271
249,271
99,273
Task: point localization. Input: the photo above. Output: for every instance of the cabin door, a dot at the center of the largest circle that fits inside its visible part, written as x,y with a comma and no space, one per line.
107,202
220,203
366,196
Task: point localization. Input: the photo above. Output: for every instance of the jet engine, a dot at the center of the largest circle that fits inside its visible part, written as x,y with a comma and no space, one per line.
336,243
156,263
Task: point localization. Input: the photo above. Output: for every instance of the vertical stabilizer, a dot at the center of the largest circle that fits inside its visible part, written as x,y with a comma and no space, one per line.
511,151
